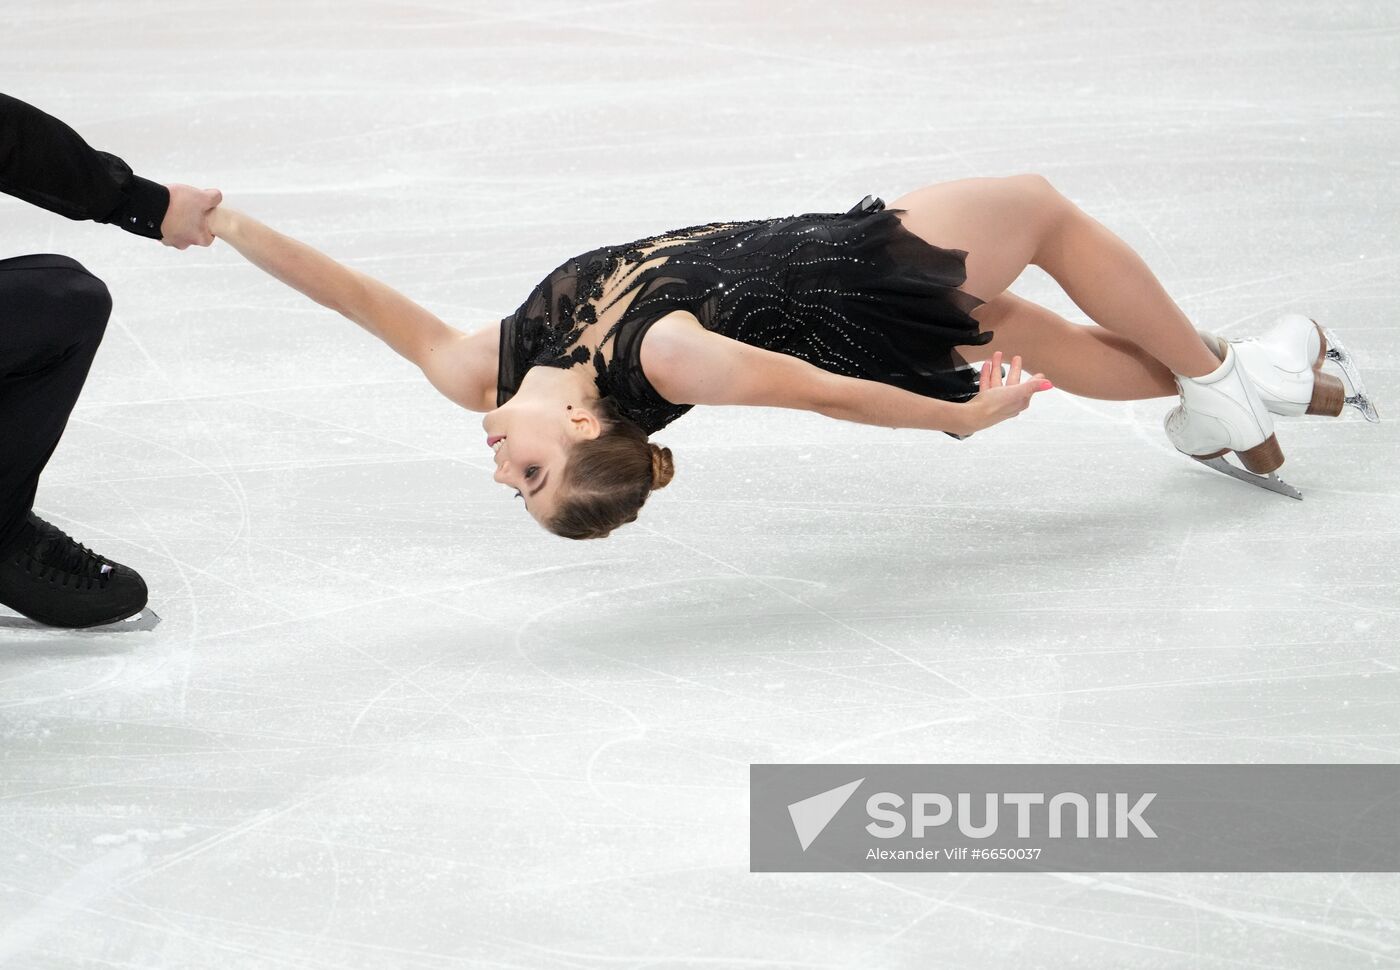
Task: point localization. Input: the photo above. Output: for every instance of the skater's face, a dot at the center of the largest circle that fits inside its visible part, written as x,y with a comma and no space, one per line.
535,440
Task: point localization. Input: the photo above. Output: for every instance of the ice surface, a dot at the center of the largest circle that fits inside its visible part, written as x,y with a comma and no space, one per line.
389,722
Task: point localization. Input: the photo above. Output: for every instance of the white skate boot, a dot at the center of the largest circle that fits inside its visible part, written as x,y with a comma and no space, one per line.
1285,365
1222,412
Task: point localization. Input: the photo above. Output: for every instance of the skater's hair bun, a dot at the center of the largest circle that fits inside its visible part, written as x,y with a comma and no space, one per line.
607,479
663,469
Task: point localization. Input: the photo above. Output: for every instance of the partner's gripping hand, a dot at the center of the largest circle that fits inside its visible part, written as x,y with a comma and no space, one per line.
185,222
995,401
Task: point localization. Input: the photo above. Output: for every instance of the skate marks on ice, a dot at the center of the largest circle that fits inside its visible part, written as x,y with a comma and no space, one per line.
49,916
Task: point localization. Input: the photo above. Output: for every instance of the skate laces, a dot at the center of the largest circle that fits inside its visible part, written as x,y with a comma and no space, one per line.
56,556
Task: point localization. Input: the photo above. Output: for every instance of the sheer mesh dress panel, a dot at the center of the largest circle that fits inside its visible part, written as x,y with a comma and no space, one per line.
854,293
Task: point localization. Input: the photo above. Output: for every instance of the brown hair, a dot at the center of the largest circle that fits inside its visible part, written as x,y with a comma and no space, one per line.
607,479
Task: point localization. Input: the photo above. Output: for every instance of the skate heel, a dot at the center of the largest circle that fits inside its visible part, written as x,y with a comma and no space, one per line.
1328,395
1321,344
1263,458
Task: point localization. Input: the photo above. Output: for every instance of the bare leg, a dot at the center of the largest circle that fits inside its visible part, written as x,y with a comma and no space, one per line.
1005,224
1085,360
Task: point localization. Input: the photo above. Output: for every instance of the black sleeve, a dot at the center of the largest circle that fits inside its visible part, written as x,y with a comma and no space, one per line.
45,162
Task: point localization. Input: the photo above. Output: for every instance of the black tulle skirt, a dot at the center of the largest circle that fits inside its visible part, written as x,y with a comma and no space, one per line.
903,296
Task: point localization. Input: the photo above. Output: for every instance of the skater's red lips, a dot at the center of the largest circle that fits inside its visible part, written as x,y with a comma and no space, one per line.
491,439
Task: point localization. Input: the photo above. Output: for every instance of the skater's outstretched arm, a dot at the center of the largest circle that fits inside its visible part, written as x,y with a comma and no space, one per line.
452,360
691,365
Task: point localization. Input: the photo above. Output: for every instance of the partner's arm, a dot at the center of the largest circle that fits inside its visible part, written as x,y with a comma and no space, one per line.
47,163
449,358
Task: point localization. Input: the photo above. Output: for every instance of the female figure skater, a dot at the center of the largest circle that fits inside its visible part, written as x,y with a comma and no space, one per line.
863,316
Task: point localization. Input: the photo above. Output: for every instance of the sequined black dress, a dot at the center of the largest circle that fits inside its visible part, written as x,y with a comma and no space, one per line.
854,292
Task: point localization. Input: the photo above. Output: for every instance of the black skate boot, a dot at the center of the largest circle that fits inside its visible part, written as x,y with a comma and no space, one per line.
53,580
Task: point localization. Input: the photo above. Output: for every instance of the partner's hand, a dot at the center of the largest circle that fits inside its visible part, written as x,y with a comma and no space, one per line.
184,224
995,401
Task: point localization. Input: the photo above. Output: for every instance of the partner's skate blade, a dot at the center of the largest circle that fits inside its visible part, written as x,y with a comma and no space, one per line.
1270,481
1356,396
147,619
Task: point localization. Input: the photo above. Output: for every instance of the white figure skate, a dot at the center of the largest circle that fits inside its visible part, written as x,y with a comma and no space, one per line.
1285,365
1222,412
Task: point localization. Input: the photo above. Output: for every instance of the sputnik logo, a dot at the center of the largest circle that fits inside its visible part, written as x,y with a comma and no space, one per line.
811,815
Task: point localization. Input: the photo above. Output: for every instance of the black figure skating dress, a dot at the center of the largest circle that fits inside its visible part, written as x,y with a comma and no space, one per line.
855,293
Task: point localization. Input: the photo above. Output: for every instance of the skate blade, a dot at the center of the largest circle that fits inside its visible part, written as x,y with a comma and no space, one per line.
1363,404
147,619
1356,396
1270,481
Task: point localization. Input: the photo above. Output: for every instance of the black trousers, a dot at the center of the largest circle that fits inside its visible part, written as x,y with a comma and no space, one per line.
53,313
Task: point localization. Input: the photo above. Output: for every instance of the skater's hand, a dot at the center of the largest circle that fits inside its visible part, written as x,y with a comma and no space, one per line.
996,401
185,222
